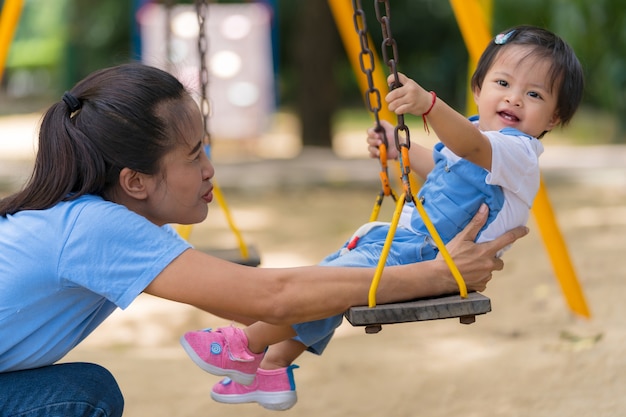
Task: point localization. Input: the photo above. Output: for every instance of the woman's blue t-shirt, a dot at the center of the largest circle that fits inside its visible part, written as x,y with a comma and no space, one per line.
65,269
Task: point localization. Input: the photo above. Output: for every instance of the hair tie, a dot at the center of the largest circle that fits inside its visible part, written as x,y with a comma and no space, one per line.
72,102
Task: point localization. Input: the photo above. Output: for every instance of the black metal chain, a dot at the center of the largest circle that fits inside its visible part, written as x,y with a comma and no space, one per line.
367,62
373,100
389,44
202,7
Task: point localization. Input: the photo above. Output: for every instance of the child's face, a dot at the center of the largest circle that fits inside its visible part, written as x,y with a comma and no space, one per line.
516,93
181,191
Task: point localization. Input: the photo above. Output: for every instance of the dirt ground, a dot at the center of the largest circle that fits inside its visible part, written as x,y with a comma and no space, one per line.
529,357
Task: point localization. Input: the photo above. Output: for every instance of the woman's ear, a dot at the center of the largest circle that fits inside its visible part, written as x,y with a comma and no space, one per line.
133,184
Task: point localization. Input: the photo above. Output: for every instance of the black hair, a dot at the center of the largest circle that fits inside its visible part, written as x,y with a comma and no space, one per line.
566,71
118,120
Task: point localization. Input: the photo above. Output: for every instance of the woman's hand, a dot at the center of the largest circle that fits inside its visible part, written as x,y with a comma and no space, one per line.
477,261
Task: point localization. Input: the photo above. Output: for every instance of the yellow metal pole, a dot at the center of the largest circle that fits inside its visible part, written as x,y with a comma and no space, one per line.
557,250
8,24
474,26
472,21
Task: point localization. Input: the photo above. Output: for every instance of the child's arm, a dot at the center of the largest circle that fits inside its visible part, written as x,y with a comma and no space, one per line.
452,128
420,158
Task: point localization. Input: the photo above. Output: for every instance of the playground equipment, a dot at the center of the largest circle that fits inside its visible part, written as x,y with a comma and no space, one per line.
472,17
459,306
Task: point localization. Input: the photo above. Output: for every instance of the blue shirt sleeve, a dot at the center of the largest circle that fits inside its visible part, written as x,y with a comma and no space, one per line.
115,252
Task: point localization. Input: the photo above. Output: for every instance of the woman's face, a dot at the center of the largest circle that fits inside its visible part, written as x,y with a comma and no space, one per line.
181,191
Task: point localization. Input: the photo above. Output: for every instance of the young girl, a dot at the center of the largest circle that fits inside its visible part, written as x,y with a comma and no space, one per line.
527,82
120,157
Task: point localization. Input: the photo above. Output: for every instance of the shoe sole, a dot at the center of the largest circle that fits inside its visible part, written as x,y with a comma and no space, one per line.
237,376
277,401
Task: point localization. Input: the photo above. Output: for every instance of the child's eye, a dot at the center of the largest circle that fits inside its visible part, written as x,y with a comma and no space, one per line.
534,94
502,83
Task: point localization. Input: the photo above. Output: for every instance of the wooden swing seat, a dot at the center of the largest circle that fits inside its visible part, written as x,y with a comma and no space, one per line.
234,255
435,308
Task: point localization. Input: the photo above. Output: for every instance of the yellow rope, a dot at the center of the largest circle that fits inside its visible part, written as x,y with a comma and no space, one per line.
383,256
184,230
222,202
387,247
376,209
442,248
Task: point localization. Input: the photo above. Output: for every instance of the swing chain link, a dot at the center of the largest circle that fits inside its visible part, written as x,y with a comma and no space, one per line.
202,7
373,102
360,25
403,142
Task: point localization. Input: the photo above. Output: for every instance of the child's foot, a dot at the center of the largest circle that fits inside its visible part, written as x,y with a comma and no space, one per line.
274,390
223,352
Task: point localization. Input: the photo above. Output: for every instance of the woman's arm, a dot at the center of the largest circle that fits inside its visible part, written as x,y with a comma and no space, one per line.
292,295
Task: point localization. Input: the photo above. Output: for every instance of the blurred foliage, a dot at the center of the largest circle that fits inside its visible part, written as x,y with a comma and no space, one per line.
597,32
40,38
70,38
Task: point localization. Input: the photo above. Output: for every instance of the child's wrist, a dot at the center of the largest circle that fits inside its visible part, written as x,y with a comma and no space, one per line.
433,100
433,96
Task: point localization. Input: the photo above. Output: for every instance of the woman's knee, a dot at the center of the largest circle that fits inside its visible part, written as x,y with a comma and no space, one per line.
68,389
100,389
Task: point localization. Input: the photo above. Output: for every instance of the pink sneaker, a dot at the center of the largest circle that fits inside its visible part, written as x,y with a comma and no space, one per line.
223,352
274,390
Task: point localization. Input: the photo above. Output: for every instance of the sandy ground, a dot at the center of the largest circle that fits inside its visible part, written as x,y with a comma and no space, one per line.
529,357
515,361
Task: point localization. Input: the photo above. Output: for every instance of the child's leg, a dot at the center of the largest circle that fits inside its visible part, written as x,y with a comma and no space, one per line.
282,354
261,335
237,353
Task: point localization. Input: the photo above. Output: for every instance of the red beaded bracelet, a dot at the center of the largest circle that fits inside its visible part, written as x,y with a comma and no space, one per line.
432,104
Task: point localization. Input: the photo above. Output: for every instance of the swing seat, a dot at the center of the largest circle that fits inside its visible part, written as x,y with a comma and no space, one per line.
234,255
435,308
